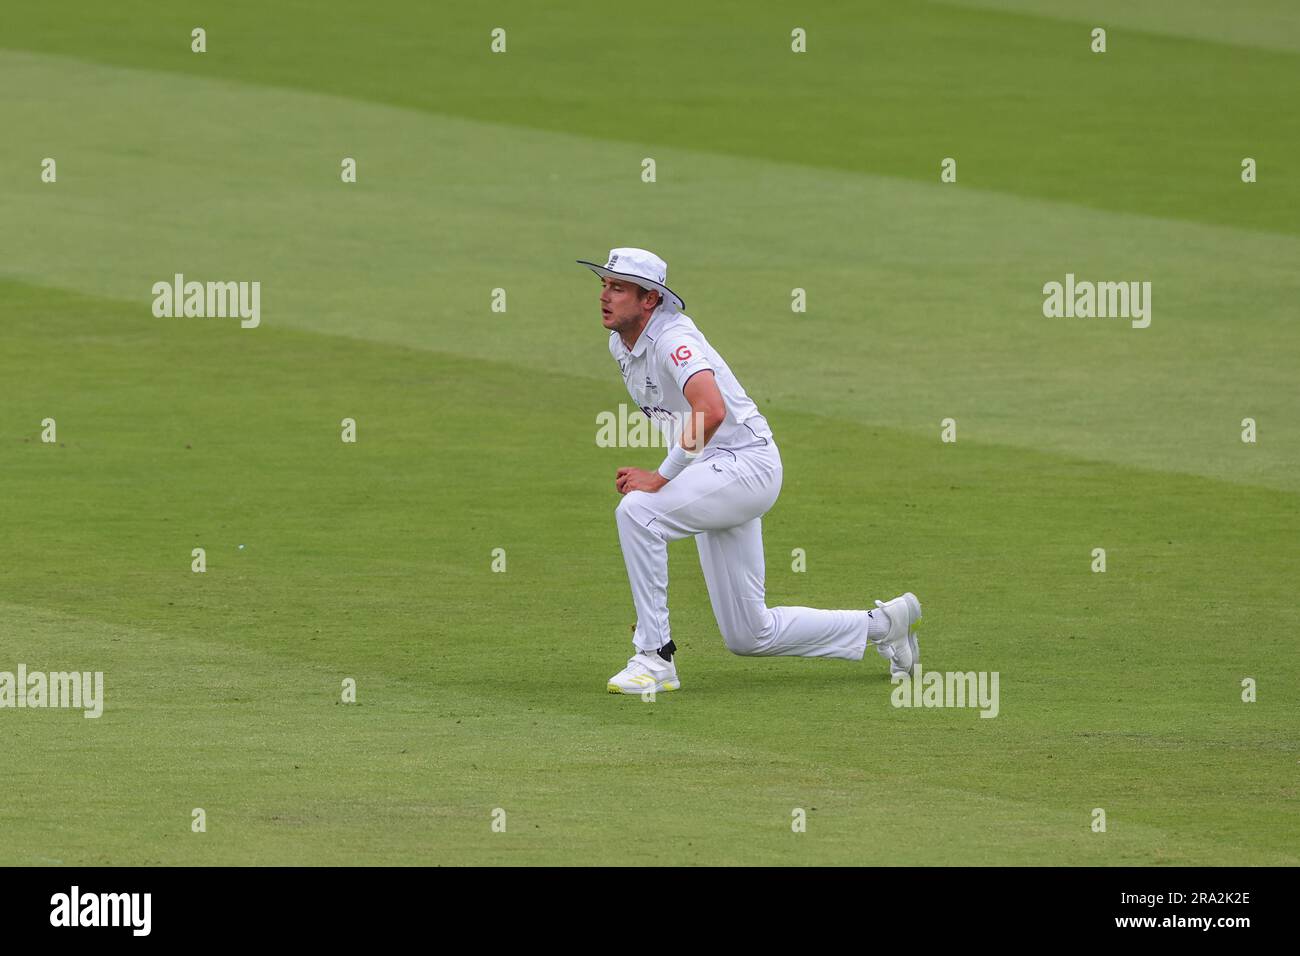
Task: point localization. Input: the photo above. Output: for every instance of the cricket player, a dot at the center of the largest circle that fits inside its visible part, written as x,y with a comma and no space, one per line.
721,475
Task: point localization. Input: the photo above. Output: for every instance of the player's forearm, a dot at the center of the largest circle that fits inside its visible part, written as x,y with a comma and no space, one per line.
703,421
699,428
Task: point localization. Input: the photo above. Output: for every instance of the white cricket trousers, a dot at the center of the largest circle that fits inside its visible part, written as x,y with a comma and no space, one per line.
721,499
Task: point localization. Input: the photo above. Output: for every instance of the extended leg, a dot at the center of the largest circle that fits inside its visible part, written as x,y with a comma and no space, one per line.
732,561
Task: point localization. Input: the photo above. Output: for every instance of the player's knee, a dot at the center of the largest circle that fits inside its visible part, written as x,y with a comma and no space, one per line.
632,507
749,638
742,641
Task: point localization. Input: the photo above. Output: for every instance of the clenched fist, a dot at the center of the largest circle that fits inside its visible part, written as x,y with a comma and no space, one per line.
638,479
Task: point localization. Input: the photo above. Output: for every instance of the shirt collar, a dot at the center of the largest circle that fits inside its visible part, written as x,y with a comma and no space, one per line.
649,333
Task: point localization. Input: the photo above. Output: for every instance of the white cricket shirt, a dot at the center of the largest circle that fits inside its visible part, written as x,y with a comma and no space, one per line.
668,352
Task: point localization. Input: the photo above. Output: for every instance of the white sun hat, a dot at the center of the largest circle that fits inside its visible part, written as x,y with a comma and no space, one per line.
640,266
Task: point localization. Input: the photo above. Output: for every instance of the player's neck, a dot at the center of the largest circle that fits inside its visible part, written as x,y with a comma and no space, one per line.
630,338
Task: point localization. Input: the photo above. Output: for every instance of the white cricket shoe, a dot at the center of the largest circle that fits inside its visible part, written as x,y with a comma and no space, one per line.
899,646
646,672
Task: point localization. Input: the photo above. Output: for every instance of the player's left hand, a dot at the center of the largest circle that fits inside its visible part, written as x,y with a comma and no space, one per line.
638,479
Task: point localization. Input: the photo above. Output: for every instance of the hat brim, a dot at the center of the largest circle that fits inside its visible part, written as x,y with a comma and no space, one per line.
642,281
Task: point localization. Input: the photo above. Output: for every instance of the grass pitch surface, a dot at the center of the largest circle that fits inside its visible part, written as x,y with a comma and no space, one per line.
372,561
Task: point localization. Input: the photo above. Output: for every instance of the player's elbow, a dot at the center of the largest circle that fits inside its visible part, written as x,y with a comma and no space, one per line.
710,416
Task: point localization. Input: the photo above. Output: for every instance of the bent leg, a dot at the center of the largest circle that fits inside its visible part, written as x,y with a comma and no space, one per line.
707,495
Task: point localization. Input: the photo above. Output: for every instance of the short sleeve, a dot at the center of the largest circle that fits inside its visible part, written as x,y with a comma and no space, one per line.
683,354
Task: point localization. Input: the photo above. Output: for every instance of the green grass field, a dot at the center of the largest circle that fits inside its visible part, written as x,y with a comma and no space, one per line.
476,429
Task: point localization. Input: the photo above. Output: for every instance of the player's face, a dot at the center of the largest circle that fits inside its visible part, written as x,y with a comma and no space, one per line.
620,309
